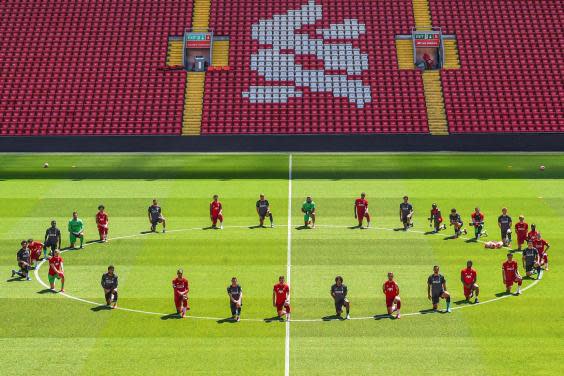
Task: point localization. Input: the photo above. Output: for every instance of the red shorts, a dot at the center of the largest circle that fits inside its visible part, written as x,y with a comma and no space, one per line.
281,306
390,300
543,257
216,216
35,255
179,301
468,290
521,238
361,213
102,230
510,281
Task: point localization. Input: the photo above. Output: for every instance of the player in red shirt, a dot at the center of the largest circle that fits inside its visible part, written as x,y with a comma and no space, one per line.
478,223
436,219
532,235
541,245
281,298
468,276
393,301
56,270
181,290
35,249
361,210
510,274
216,212
521,229
102,221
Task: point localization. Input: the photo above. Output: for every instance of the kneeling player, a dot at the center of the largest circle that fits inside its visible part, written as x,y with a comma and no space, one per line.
216,212
102,222
339,293
531,260
468,276
235,293
308,208
281,298
406,213
521,229
35,249
24,262
110,284
436,289
76,230
156,216
478,223
542,246
263,210
56,270
436,219
456,221
361,210
52,239
504,222
393,301
510,274
181,290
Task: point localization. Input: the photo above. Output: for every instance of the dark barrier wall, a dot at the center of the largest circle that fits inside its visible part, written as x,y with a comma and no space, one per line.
306,143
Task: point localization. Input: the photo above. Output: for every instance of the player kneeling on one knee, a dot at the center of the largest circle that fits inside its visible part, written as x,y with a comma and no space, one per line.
406,213
510,274
76,230
339,293
263,211
24,262
469,276
181,290
156,216
436,289
56,270
235,293
436,219
456,221
531,261
308,208
391,290
110,284
281,298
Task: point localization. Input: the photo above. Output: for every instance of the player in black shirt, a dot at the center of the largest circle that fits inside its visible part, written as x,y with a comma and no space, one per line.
24,262
436,289
531,259
339,293
263,210
52,239
110,284
406,213
235,293
156,216
456,221
504,222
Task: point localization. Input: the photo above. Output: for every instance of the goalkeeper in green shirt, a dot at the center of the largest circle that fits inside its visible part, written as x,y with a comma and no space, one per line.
76,230
308,208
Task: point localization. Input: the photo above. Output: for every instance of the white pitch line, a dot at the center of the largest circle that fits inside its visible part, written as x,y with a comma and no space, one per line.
418,313
288,266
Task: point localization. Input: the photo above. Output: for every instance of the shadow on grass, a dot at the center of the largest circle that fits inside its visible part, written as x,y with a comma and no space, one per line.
430,310
210,228
332,318
101,308
400,229
303,228
503,293
46,291
146,232
171,316
93,241
451,237
256,226
274,319
384,316
229,320
462,301
472,240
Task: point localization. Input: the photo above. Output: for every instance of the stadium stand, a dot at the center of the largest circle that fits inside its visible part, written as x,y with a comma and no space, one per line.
74,67
511,58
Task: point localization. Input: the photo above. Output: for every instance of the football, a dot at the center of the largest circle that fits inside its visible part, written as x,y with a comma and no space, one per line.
45,165
541,167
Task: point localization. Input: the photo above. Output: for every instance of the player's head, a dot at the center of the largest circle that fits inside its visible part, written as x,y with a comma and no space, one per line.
405,198
453,211
477,209
362,195
433,205
53,223
154,201
101,207
339,280
261,196
29,241
234,281
308,198
215,197
469,264
538,236
56,252
75,215
281,279
521,218
530,243
111,269
23,243
436,269
533,227
179,273
390,276
510,256
504,211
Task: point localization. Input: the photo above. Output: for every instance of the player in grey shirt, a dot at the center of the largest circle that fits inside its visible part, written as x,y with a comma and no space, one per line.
110,284
24,262
531,259
504,222
263,210
436,289
339,293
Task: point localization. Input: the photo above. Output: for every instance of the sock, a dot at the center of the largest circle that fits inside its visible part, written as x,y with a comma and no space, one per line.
20,274
448,302
62,283
271,219
45,252
108,297
81,240
115,296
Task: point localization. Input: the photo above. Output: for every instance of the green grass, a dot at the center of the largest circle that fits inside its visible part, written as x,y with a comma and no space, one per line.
516,335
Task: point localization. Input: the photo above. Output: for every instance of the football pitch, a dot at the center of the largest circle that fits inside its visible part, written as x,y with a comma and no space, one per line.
73,333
